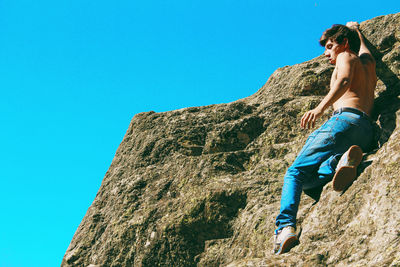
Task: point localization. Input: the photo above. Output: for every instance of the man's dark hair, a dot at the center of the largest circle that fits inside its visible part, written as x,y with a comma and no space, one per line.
339,33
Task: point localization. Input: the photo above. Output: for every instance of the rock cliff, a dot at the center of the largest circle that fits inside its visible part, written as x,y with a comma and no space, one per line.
201,186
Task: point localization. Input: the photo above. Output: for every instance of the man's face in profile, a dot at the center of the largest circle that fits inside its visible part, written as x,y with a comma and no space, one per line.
332,50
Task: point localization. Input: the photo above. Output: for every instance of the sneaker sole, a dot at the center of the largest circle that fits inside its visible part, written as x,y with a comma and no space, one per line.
345,175
288,244
343,178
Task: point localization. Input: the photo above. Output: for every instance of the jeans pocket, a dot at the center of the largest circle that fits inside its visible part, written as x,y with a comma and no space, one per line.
350,130
326,131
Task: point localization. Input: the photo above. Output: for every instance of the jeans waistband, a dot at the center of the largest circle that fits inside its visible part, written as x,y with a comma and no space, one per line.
352,110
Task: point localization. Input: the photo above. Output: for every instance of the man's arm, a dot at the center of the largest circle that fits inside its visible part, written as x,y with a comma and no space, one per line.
364,53
345,70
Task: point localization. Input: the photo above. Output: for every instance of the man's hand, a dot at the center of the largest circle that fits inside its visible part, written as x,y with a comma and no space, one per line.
309,118
352,25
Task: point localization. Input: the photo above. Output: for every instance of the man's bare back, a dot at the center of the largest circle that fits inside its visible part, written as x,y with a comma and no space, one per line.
360,94
353,80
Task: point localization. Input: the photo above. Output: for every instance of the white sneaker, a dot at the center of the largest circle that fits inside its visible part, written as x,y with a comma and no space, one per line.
285,240
346,170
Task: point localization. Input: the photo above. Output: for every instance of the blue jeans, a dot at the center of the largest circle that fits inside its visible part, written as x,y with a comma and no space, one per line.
316,163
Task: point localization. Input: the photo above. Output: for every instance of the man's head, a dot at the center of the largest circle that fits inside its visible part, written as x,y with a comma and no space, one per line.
343,37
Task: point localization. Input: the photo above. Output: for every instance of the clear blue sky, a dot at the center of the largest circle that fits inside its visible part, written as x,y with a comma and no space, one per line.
74,72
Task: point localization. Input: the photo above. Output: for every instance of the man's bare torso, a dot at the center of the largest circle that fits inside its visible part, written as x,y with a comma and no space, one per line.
360,95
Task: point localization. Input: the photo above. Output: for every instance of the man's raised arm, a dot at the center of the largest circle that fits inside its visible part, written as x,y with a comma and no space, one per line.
364,53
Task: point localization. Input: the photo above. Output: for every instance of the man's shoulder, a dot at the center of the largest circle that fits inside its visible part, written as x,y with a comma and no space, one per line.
347,58
367,59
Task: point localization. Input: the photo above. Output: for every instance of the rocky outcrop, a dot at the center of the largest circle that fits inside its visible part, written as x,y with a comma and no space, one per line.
201,186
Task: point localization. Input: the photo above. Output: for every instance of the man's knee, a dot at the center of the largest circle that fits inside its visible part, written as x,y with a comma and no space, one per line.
295,173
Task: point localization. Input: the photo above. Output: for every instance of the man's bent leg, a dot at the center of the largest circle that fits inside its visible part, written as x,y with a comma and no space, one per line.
351,129
354,130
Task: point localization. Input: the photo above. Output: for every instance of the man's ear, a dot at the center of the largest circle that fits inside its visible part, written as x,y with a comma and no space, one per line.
346,43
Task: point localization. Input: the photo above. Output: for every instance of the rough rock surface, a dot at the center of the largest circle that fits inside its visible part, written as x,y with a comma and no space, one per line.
201,186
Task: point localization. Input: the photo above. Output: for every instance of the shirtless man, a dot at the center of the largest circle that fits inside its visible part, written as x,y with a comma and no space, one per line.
332,152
